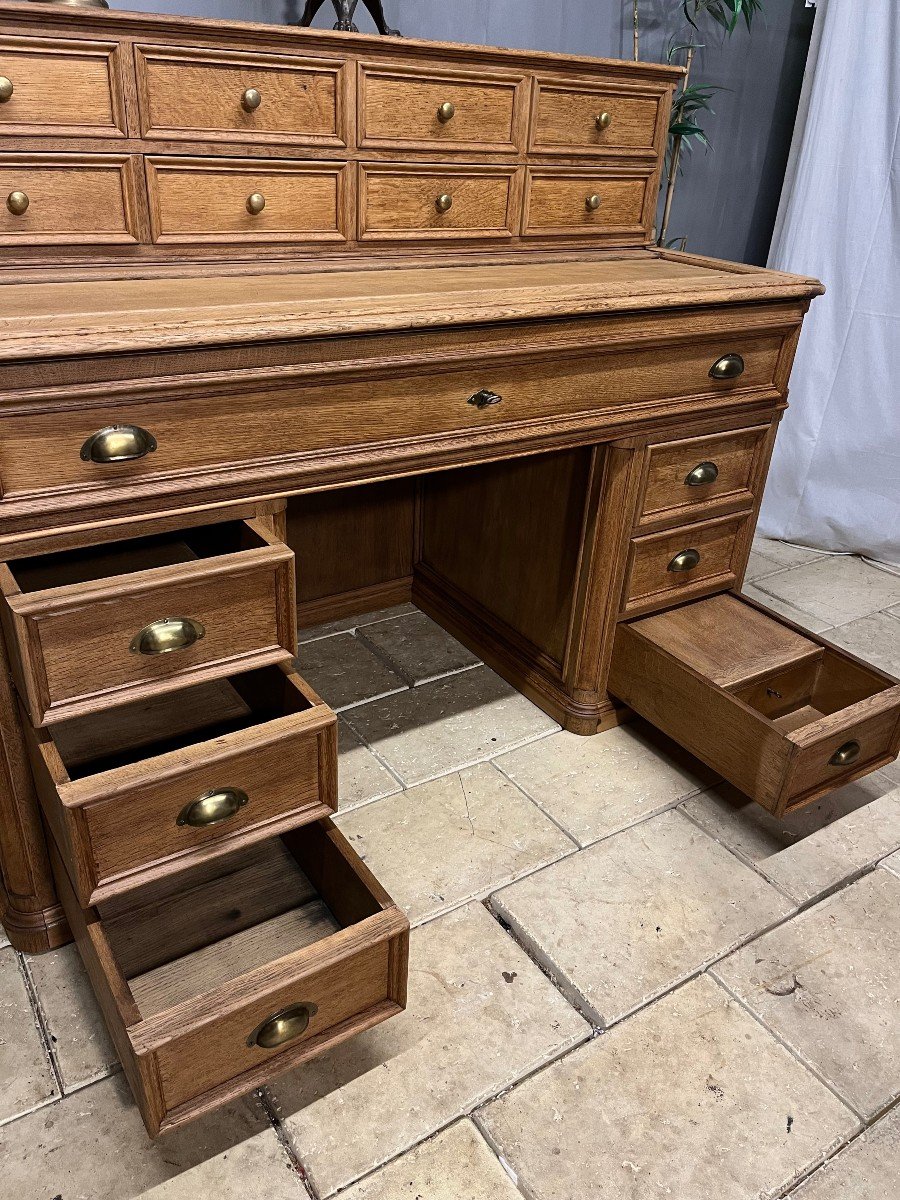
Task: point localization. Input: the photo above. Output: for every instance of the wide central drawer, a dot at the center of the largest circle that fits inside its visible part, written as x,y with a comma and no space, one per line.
100,626
215,982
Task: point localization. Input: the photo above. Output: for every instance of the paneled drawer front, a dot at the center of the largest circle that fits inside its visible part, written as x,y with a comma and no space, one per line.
696,477
219,981
779,712
437,203
81,199
155,787
675,565
100,627
61,88
562,203
247,200
184,92
586,119
403,108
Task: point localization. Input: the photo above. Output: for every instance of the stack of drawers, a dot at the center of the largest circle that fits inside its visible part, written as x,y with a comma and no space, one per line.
186,773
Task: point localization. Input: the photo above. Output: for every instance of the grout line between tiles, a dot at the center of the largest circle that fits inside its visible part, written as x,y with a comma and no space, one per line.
268,1105
537,804
40,1020
740,855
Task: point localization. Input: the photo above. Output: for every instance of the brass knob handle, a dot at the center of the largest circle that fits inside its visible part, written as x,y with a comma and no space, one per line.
17,203
255,204
118,443
251,100
6,89
604,120
282,1026
685,561
592,202
444,202
484,399
213,807
166,635
729,366
705,472
446,112
845,755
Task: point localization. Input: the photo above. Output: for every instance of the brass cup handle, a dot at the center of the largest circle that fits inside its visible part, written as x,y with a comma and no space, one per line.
705,472
6,89
256,202
444,202
118,443
17,203
251,100
282,1026
592,202
446,112
213,807
685,561
484,399
729,366
604,120
166,635
845,755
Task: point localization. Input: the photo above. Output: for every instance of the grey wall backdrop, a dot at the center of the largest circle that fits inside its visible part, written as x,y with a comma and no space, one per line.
726,201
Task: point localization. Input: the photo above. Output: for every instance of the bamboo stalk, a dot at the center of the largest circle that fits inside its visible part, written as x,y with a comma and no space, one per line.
636,33
673,160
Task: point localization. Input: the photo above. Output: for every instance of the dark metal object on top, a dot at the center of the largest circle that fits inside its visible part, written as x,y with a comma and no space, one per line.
344,10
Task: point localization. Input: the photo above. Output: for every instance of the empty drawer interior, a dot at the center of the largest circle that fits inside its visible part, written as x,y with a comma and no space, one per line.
812,690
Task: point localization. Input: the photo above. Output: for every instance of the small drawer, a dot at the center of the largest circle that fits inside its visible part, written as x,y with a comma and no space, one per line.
700,476
154,787
241,200
596,119
780,713
680,564
215,982
185,92
105,625
606,206
69,199
402,108
437,203
60,88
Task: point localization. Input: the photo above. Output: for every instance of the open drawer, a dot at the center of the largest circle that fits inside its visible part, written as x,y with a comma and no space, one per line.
153,787
216,982
102,625
780,713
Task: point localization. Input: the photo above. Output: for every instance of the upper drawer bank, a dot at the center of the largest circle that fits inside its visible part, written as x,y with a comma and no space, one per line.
287,429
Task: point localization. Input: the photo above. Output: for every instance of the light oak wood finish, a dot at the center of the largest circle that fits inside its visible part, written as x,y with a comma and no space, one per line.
565,118
62,88
89,199
608,205
404,201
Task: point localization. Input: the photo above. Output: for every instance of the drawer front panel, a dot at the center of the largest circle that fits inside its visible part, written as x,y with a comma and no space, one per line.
184,92
563,203
406,201
201,200
654,578
401,109
61,87
873,739
69,199
570,118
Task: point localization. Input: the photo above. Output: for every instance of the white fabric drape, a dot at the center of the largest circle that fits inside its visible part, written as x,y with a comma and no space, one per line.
835,478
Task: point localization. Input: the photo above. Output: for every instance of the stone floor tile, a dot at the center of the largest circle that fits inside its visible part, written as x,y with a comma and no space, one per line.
690,1099
451,723
867,1169
595,786
620,923
892,862
791,611
835,589
4,940
480,1016
784,553
839,852
361,777
93,1146
80,1042
875,638
827,983
346,624
454,839
456,1165
753,833
418,648
759,566
26,1076
345,672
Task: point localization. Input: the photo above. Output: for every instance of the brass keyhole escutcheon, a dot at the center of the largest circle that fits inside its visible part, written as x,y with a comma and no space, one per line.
685,561
282,1026
251,100
256,203
444,202
446,112
17,203
6,89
